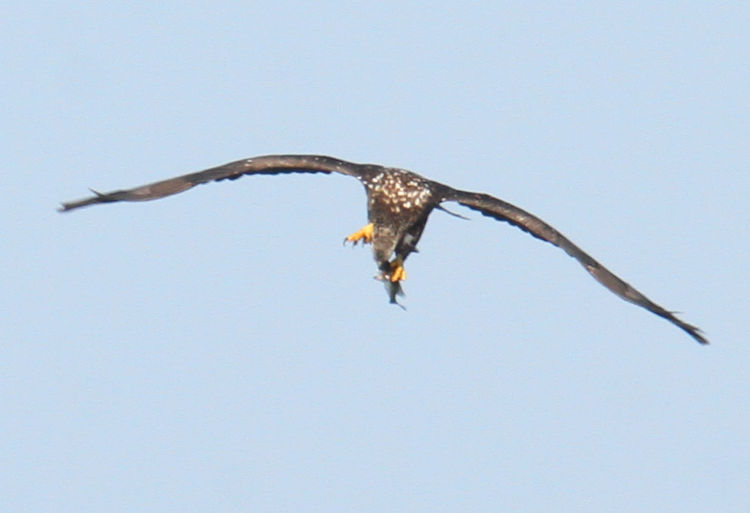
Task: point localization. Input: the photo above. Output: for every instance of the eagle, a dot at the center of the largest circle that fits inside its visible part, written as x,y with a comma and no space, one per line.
398,205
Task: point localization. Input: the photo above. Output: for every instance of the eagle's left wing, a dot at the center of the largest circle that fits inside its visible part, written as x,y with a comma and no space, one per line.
267,165
503,211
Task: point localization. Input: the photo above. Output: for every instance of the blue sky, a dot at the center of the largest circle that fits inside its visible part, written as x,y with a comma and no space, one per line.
221,351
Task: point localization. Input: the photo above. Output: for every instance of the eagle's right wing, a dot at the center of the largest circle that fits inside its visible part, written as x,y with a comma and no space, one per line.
266,165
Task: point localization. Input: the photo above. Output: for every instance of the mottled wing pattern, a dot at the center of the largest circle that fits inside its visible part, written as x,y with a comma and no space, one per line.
503,211
269,165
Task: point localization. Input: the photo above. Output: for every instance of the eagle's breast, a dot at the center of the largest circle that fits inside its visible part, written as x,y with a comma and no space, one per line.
399,193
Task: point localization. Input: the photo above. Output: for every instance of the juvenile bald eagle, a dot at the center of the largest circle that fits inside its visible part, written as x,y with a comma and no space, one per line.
398,205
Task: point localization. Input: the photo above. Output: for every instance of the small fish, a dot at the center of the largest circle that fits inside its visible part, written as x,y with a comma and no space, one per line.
394,290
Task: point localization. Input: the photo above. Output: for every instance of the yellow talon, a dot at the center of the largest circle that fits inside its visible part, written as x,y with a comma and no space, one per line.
398,271
365,234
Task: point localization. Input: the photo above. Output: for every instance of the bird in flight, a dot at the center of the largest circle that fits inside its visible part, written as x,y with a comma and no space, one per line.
398,205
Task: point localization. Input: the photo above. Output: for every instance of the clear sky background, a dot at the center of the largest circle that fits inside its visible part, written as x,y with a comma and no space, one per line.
221,351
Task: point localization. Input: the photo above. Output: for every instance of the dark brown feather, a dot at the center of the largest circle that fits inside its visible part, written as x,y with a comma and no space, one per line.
267,165
504,211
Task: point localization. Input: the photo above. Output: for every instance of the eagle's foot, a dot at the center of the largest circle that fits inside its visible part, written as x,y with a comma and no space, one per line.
393,271
398,271
365,235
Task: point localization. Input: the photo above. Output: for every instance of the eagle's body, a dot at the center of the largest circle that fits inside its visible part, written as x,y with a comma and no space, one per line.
398,205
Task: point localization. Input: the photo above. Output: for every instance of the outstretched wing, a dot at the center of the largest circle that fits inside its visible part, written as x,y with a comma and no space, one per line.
266,165
503,211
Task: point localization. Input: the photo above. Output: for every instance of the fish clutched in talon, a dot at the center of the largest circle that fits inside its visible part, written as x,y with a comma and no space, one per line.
398,271
392,278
